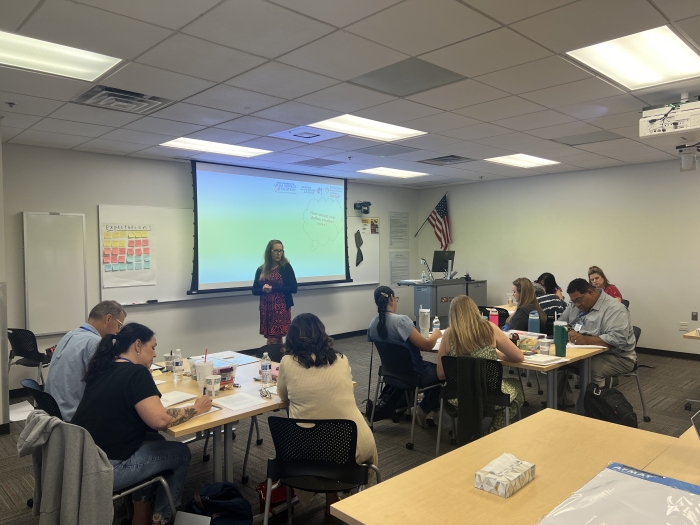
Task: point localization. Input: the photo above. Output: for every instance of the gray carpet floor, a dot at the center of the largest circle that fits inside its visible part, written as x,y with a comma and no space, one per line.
666,386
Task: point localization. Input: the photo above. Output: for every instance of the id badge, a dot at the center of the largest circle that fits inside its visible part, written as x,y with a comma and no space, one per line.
578,327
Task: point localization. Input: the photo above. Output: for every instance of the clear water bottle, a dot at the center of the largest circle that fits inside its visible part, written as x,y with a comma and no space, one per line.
422,276
533,322
266,370
436,323
178,366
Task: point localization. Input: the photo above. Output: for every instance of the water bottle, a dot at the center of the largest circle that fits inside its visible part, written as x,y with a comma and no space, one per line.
533,322
178,366
422,276
493,316
266,370
561,337
436,323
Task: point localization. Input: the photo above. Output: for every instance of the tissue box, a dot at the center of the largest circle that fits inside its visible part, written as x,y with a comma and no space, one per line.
504,476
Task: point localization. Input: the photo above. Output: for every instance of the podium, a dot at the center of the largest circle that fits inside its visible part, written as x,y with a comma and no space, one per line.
438,294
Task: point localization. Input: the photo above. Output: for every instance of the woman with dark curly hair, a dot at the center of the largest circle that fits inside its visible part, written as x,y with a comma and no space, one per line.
317,381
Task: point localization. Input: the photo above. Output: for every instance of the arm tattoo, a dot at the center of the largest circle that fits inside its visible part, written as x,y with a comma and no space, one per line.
180,415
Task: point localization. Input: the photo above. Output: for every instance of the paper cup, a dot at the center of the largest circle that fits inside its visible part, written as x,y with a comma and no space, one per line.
203,370
168,362
213,385
545,346
191,362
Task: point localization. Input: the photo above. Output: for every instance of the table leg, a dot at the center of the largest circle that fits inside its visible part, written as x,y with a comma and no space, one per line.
552,389
217,450
585,374
228,452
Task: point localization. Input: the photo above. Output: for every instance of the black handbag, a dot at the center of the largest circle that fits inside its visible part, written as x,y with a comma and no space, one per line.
223,502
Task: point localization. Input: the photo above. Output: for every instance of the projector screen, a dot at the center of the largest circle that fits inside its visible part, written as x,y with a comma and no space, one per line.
238,210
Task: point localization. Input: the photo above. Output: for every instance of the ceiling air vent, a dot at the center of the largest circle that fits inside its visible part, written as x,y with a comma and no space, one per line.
447,160
317,163
121,100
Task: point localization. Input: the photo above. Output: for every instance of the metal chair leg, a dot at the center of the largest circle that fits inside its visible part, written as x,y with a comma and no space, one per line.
647,419
437,445
507,416
205,456
268,496
454,430
409,445
258,440
168,495
253,422
374,406
289,505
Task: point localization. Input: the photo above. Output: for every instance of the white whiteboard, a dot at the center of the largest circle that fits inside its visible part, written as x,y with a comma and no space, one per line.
55,282
368,270
173,237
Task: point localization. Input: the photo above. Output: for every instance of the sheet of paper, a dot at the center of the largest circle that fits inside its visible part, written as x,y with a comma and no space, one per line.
398,231
225,354
399,266
173,398
20,411
239,401
158,381
273,390
212,409
544,360
571,345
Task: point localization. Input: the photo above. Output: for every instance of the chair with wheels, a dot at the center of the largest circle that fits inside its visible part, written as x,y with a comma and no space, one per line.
23,343
44,400
635,373
397,366
315,455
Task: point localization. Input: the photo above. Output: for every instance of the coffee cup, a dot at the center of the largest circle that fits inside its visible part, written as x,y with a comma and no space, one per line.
213,385
203,370
168,362
545,345
191,362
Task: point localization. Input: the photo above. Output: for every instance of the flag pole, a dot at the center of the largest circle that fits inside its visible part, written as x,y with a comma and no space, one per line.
426,220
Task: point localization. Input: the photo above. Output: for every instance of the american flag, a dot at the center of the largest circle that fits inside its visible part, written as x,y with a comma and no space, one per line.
440,222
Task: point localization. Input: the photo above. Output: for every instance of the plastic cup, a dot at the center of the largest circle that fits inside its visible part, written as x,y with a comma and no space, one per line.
213,385
545,345
191,362
203,370
168,362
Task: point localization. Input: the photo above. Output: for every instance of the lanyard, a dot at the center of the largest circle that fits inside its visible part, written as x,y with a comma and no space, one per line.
125,359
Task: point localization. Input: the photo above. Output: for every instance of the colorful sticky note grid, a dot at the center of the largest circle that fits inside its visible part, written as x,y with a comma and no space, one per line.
108,235
115,267
138,258
122,266
146,250
108,267
138,251
129,258
122,251
138,242
144,242
129,266
138,265
131,243
122,258
131,235
106,259
146,257
130,251
146,265
114,258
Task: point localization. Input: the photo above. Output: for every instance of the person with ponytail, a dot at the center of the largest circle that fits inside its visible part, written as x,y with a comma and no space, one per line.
317,381
121,408
390,327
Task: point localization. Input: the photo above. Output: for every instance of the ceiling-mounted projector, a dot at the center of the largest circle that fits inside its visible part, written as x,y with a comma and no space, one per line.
681,119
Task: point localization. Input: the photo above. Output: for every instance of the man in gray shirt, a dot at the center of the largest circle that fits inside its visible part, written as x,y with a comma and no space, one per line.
73,353
596,318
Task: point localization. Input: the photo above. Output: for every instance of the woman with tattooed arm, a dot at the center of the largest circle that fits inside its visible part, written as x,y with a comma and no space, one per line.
121,408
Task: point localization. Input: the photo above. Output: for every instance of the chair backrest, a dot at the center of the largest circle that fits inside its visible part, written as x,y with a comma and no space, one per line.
626,303
44,400
397,363
494,376
637,332
274,351
466,382
549,326
23,344
503,314
315,447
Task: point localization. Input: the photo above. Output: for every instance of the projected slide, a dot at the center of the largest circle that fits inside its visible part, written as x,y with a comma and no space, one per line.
240,209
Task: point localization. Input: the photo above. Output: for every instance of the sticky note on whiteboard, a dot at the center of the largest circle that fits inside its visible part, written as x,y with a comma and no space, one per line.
146,257
147,265
138,251
108,235
129,266
131,235
108,267
144,242
138,265
146,250
144,233
106,259
115,267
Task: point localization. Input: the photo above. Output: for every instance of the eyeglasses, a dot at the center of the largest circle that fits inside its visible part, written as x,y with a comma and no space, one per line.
120,323
277,251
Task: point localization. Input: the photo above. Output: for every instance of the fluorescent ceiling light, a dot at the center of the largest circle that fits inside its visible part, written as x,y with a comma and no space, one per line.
645,59
37,55
214,147
391,172
521,160
366,128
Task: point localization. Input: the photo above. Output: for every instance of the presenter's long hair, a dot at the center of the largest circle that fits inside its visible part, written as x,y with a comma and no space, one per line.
307,336
527,297
468,331
268,262
112,345
381,299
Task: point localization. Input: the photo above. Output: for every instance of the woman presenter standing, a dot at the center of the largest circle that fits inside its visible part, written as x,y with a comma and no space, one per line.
275,283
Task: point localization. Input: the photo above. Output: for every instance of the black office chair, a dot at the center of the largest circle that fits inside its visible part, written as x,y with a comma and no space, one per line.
315,455
626,303
635,373
23,345
44,400
398,366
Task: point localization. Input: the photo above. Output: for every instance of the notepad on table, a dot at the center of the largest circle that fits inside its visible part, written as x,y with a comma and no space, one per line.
544,360
239,401
188,405
173,398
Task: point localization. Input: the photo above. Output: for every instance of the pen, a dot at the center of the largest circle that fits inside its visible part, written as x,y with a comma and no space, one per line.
204,391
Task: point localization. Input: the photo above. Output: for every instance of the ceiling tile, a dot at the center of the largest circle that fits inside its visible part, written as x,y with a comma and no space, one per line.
541,119
168,13
92,29
428,142
602,163
457,95
508,11
416,26
659,156
192,114
313,150
254,125
110,146
164,152
229,98
284,158
397,112
18,120
483,54
679,9
480,131
617,121
573,93
602,107
440,122
471,150
90,115
548,72
198,58
6,132
507,141
27,105
500,109
270,143
632,132
692,27
547,149
570,27
349,143
563,130
43,138
612,146
281,80
222,135
297,113
71,128
13,13
154,81
164,127
240,23
137,137
419,154
345,98
342,55
40,85
337,12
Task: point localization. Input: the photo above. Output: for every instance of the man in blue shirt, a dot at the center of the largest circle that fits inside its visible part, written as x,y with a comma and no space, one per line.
73,353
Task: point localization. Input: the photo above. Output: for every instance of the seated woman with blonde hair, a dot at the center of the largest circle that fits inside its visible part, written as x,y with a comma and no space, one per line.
524,295
471,335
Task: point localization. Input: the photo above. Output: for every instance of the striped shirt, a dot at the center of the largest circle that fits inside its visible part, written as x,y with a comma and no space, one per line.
551,304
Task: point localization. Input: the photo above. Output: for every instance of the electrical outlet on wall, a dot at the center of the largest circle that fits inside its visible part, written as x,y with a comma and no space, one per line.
693,316
683,327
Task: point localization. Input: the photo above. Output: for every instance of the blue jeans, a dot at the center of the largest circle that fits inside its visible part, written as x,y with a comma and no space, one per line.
153,456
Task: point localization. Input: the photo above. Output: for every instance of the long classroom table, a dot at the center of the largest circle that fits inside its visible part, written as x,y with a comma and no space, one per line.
568,450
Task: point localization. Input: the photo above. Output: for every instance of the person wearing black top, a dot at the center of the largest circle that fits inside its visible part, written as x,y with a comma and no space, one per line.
121,408
524,295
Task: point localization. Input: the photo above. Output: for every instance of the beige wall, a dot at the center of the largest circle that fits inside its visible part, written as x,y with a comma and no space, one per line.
639,223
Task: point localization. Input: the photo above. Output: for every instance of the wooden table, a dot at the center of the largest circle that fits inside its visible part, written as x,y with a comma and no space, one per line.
568,450
691,335
510,307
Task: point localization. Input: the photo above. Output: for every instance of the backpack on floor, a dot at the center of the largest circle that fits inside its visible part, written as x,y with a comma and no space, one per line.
391,402
223,502
609,404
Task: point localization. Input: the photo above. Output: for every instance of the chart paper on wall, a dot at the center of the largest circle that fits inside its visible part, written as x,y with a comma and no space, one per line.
399,266
127,255
398,230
